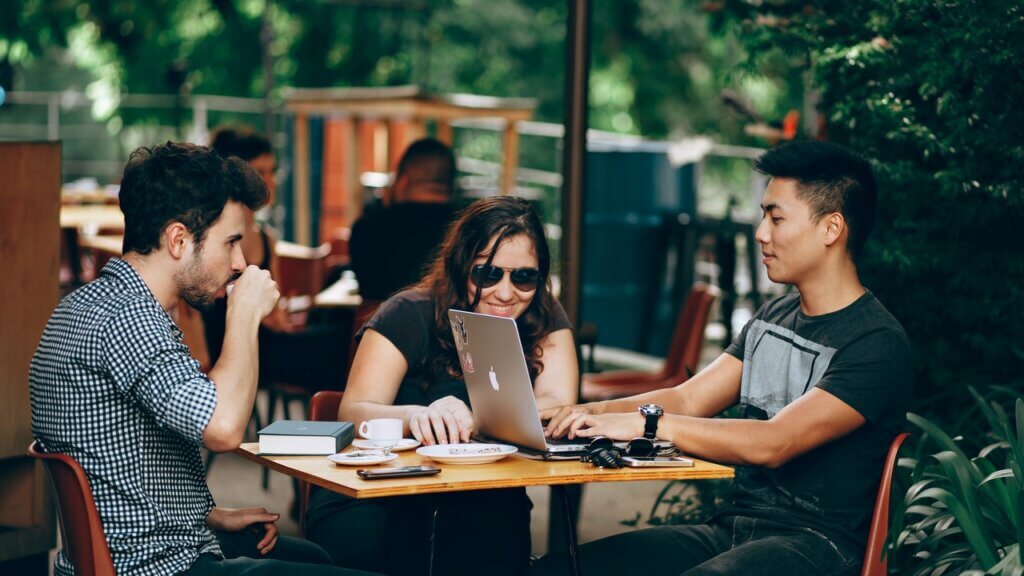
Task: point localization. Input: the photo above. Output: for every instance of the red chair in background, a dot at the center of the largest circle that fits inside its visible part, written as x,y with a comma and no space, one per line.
323,407
680,363
80,528
875,563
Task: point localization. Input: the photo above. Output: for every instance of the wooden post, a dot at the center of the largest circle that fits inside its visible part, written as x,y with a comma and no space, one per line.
353,186
511,148
30,251
444,131
301,193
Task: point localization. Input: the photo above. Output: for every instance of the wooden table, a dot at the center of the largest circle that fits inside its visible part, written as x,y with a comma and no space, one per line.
91,215
511,472
88,217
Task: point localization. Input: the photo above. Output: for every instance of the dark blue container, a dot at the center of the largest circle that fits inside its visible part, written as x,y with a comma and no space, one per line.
632,209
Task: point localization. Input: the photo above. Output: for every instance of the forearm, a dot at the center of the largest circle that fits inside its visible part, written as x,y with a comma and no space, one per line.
360,411
551,400
236,376
667,398
727,440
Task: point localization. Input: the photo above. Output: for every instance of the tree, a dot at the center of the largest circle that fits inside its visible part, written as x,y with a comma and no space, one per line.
925,88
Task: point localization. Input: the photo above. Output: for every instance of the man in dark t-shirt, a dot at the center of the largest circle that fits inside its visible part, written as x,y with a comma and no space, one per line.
389,247
822,378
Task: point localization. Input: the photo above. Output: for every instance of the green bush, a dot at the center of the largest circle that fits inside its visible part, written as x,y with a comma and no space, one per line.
930,90
962,514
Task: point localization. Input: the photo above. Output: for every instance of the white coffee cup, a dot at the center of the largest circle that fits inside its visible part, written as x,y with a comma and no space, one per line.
381,430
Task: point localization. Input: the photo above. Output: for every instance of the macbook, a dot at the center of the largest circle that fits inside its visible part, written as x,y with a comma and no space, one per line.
499,386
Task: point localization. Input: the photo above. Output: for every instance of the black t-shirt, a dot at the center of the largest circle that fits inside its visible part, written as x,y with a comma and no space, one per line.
390,247
407,320
859,354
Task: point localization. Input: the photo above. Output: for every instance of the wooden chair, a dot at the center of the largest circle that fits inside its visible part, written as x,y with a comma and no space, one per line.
301,273
875,562
80,528
680,363
323,407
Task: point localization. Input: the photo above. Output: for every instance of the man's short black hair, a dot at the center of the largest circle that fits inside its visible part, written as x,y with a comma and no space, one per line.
830,178
241,142
428,160
181,183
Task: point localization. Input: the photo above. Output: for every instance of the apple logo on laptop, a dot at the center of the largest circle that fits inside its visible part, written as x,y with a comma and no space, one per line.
494,378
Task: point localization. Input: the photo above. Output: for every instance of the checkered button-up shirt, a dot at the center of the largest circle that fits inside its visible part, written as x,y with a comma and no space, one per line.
113,386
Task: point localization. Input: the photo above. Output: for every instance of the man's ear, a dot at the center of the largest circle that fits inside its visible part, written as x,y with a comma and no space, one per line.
176,238
835,227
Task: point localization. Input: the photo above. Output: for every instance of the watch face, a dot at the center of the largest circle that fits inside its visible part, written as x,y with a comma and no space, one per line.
651,410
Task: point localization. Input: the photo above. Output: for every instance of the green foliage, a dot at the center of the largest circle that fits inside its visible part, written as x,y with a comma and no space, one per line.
925,87
657,66
962,514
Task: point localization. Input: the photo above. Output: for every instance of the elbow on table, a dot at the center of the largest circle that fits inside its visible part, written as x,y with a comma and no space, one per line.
220,438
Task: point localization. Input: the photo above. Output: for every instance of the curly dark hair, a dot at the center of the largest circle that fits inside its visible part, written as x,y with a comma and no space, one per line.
497,219
181,183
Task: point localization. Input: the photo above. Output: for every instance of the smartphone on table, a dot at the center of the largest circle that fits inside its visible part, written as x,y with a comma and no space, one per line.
657,461
399,472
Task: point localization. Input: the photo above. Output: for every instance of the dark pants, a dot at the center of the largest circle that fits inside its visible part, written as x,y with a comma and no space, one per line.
727,545
290,557
478,532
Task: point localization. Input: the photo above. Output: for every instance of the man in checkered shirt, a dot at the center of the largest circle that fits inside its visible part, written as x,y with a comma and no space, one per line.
113,386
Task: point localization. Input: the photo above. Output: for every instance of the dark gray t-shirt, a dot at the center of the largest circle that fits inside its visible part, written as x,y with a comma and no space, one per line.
407,320
859,354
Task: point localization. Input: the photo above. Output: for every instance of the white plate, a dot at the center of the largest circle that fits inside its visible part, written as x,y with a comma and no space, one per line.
466,453
361,457
403,444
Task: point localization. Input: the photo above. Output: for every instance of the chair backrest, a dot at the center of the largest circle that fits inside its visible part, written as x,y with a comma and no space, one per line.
338,240
323,407
875,562
688,337
300,269
81,531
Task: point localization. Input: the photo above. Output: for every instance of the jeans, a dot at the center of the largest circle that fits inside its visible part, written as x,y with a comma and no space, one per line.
290,557
725,545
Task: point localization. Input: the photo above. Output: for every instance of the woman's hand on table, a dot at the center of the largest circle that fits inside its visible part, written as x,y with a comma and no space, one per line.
444,421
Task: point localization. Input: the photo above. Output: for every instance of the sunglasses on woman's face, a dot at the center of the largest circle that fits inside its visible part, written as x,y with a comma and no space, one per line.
524,279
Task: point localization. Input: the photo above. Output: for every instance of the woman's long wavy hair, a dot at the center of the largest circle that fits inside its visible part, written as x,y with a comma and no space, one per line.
504,218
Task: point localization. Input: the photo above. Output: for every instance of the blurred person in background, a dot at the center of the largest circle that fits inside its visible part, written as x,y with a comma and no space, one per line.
390,246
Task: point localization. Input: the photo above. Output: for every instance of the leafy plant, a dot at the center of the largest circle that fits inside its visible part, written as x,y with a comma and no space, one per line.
963,514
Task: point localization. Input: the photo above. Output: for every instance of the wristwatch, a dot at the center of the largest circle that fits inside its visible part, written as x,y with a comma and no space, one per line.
652,412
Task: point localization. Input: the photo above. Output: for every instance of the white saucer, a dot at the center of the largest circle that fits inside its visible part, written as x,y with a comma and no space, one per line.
466,453
403,444
361,457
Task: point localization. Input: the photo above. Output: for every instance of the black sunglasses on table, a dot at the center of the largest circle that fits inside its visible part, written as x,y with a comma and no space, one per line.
485,276
601,451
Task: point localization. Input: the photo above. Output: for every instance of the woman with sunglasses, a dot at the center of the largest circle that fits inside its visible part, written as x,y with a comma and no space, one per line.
494,260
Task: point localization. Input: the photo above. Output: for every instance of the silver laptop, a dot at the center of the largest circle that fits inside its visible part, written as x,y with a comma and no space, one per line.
500,389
